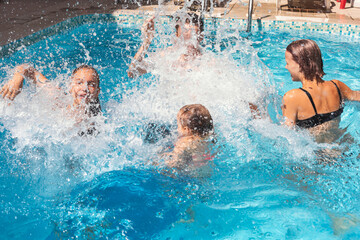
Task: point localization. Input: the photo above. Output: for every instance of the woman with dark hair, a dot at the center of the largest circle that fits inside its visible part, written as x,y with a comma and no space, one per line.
84,88
317,102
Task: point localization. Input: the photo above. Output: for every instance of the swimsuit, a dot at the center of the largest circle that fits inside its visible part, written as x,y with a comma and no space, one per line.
318,119
93,110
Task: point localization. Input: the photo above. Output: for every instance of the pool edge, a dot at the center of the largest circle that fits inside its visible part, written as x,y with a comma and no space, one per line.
136,19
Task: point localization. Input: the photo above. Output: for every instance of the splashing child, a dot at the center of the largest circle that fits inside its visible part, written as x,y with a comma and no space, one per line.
84,86
189,29
195,128
84,90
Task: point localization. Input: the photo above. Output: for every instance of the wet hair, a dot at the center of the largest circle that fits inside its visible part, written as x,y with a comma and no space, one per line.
84,66
307,54
194,19
197,118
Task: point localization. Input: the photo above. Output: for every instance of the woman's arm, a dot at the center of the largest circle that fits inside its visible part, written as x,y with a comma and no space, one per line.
148,34
347,93
289,108
13,87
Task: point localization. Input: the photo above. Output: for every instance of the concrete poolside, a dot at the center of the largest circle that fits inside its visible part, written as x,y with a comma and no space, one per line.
19,18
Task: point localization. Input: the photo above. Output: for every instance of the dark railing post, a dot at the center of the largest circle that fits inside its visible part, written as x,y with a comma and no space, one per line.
250,10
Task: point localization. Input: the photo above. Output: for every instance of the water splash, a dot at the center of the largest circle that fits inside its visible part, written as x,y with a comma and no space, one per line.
42,148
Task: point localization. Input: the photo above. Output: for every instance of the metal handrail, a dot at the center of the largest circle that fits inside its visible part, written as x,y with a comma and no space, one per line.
250,10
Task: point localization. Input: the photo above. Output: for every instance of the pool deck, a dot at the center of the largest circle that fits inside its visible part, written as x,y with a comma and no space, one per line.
20,18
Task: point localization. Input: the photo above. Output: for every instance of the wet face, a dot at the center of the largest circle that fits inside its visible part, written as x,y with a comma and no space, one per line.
84,86
293,67
187,31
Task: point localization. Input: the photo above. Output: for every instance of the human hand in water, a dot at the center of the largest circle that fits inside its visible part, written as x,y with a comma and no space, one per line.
12,87
147,30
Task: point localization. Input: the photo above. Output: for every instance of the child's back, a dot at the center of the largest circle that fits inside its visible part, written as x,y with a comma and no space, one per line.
192,149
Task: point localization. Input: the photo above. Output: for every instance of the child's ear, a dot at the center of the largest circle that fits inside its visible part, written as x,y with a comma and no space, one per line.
187,130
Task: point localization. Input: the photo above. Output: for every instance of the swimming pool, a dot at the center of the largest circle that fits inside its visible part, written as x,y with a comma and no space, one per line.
265,182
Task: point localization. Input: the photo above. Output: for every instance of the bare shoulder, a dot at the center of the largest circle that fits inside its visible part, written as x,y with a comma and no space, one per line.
347,92
292,99
344,89
339,83
182,144
292,95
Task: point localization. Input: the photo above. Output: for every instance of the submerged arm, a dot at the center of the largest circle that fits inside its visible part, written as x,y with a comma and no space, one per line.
13,87
148,33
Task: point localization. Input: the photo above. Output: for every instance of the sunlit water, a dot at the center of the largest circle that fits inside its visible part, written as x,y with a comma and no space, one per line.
265,182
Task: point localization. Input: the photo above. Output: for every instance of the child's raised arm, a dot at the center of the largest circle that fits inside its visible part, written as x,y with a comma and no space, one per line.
147,32
13,87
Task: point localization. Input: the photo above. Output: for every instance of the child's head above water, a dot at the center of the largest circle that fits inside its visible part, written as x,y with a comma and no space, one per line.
194,119
85,84
189,25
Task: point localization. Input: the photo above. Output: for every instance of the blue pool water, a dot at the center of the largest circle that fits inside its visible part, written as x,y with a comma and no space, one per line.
265,182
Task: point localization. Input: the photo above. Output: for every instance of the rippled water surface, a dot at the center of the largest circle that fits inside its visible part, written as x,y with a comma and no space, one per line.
265,181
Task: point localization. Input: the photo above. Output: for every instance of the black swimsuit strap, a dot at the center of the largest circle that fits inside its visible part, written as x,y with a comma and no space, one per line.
311,100
338,92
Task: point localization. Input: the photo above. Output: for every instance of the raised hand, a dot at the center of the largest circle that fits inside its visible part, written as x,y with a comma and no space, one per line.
13,87
148,29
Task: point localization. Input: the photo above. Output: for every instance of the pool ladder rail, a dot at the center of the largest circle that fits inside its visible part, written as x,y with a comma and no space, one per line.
250,10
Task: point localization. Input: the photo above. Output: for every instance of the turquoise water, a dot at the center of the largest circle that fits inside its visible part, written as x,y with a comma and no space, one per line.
265,182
